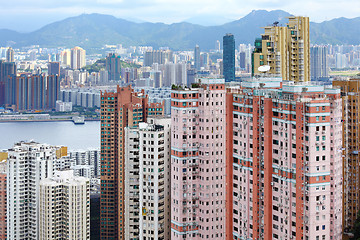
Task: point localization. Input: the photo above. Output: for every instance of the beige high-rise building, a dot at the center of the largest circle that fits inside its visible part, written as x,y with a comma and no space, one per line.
78,58
286,49
64,204
350,91
10,55
65,57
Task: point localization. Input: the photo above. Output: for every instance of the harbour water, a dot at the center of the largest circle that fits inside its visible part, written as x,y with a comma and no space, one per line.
55,133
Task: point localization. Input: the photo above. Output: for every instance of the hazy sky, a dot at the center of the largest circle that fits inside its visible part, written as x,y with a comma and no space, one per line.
26,15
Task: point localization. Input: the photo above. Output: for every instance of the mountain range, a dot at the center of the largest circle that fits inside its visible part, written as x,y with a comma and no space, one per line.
96,30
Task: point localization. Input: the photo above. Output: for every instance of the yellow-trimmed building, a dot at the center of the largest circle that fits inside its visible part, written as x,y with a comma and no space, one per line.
286,49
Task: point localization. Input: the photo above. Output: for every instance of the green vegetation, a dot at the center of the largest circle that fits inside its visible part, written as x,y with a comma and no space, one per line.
96,67
356,228
101,64
87,112
176,87
195,85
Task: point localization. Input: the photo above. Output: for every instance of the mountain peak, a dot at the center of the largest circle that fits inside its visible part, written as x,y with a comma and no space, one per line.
93,30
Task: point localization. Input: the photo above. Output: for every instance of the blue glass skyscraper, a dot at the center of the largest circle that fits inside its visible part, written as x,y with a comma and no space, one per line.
229,57
197,64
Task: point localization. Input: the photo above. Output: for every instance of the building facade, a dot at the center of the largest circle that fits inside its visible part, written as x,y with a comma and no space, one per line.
350,91
10,55
6,69
285,146
285,49
229,57
54,68
28,163
198,161
147,178
113,66
89,157
120,109
318,62
77,58
64,206
3,197
157,56
32,92
197,63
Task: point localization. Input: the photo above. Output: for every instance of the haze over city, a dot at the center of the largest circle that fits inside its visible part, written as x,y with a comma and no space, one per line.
26,15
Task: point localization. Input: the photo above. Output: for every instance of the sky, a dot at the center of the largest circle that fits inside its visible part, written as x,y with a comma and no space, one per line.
26,15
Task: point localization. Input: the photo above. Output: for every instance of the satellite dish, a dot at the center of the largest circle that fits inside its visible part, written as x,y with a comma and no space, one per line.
264,68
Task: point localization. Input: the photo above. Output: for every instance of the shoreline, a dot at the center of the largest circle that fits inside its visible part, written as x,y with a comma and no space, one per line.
47,120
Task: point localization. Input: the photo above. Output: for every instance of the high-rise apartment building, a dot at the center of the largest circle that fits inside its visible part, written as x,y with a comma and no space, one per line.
147,180
64,207
10,55
65,57
229,57
198,161
52,91
285,49
133,212
350,91
6,69
174,73
89,157
113,66
217,46
242,60
318,62
3,196
197,61
157,56
28,163
120,109
54,68
32,92
78,58
284,178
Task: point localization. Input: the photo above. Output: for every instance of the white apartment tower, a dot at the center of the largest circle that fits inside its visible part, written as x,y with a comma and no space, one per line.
64,207
147,178
28,163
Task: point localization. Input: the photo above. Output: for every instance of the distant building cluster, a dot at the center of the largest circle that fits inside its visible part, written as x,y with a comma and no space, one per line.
78,97
31,92
159,95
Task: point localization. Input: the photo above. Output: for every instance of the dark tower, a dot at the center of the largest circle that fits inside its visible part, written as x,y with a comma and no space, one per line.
229,57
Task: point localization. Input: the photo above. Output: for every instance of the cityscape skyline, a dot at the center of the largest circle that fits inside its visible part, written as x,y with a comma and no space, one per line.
255,139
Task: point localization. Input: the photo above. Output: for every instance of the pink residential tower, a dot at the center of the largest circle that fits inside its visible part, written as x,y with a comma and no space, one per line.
285,143
198,161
